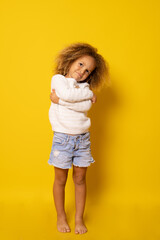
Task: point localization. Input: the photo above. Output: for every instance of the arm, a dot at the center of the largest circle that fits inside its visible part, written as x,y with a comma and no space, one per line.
82,106
69,94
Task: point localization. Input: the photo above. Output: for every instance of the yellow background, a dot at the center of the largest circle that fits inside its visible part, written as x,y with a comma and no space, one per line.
123,200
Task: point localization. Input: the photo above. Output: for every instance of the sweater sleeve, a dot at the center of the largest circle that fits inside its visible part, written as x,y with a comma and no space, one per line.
82,106
69,94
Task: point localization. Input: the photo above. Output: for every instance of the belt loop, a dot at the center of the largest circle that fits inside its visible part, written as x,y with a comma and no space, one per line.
67,138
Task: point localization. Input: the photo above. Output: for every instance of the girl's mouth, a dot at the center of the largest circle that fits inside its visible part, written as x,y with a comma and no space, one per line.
79,74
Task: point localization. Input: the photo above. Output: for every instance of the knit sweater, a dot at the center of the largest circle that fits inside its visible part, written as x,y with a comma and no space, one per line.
70,115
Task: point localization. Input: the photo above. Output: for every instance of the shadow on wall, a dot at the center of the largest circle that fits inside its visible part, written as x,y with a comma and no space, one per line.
98,176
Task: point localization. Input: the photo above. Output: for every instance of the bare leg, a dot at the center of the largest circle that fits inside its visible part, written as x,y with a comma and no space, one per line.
59,198
79,177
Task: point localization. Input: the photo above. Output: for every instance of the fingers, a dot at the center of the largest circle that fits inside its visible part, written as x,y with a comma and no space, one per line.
53,92
51,95
94,100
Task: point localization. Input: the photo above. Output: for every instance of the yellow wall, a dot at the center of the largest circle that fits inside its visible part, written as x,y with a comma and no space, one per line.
123,198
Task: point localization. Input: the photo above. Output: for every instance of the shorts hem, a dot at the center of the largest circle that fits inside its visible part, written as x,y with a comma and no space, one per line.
55,165
76,165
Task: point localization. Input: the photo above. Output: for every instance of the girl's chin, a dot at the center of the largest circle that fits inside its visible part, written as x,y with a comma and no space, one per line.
77,79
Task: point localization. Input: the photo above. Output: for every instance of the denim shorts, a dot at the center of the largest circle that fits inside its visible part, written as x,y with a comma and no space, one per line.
68,149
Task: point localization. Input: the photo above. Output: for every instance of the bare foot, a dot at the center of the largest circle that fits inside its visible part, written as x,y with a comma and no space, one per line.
62,225
80,228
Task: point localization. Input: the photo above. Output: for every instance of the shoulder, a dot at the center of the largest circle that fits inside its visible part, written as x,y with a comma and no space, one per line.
58,76
58,79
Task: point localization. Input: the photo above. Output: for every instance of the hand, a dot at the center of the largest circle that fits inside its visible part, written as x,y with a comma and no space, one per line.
54,97
94,98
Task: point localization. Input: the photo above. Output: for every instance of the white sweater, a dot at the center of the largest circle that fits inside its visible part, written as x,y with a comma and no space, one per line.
70,115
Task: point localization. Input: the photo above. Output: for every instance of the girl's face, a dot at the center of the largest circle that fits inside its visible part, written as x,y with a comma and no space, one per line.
81,68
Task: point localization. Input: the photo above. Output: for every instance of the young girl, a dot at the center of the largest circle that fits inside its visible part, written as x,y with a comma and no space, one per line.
79,70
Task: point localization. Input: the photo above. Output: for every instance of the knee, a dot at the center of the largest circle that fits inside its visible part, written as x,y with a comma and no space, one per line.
60,180
79,179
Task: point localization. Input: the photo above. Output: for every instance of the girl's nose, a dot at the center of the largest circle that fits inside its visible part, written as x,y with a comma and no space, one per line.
82,71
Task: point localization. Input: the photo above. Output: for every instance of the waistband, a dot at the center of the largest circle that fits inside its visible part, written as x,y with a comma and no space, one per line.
66,136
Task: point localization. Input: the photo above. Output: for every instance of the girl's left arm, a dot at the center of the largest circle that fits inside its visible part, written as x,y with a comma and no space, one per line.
82,106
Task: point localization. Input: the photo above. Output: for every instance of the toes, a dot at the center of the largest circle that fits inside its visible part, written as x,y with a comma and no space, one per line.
62,230
82,231
76,232
63,227
66,230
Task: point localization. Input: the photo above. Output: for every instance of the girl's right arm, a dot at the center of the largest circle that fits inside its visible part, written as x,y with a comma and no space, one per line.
69,94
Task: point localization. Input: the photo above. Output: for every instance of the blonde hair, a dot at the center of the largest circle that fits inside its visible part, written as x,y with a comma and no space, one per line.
98,77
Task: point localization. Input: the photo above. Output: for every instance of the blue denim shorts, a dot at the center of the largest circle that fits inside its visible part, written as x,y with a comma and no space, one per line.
68,149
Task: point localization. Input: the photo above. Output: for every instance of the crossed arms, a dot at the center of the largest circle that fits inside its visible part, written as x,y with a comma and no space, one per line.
77,99
82,106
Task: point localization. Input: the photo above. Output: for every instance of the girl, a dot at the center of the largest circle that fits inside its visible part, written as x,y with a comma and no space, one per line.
79,70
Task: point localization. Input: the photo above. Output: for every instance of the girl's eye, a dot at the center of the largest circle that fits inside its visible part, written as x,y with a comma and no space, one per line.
81,64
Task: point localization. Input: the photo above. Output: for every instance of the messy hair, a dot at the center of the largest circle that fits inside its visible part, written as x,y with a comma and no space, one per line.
68,55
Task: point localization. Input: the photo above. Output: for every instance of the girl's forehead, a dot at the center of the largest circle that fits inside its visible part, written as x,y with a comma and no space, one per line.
87,59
